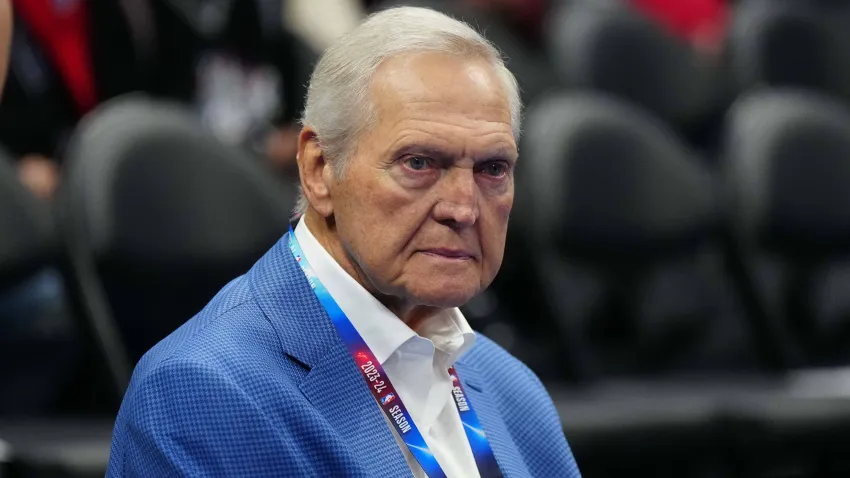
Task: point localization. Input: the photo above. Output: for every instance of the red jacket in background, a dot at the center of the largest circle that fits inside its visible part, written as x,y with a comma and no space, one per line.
61,29
701,22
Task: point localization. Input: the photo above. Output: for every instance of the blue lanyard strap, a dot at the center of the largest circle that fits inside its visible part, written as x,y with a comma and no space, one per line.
385,393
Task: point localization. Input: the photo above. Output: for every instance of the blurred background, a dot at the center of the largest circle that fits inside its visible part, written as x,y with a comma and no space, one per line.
677,265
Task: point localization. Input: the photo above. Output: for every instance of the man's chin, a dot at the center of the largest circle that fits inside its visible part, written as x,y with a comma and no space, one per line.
446,297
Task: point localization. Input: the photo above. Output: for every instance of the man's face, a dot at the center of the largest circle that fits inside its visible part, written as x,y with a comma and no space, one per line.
422,206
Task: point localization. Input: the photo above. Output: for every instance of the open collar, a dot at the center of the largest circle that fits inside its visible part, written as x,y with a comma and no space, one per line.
334,384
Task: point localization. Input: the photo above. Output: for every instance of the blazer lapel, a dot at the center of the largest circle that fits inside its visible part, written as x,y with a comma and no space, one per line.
333,385
336,388
504,448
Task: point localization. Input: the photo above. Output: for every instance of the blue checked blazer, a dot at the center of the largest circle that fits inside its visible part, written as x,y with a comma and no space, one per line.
259,384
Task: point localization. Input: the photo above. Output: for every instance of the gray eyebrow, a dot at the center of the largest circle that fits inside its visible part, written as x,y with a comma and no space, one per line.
440,154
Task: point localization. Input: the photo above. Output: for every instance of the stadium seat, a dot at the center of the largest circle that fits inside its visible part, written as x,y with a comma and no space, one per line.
158,216
623,222
622,53
787,167
790,44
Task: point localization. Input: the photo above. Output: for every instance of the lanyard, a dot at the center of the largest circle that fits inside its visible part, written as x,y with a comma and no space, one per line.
386,395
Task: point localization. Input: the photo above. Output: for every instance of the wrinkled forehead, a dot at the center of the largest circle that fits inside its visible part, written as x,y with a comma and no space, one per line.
425,72
444,94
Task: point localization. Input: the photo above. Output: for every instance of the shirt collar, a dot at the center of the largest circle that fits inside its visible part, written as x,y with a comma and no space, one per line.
382,330
450,333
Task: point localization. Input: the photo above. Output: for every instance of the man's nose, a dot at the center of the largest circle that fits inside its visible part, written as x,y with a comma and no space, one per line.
458,203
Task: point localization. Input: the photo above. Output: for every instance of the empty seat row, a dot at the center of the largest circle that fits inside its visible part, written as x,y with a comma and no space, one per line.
613,48
628,256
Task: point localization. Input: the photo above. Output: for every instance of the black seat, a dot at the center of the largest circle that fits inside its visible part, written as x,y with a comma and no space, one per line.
623,53
158,216
621,223
787,165
790,44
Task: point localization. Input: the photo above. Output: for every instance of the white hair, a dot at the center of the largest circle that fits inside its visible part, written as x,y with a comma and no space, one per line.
339,106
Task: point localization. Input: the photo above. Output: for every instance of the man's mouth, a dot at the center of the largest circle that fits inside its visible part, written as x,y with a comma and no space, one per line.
447,253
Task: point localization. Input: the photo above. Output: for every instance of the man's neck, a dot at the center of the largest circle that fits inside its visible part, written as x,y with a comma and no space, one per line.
325,233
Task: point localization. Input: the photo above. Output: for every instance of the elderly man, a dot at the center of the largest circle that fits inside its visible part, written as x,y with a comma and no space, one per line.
342,353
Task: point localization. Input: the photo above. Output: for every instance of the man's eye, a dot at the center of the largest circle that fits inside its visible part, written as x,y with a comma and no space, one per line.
417,163
495,169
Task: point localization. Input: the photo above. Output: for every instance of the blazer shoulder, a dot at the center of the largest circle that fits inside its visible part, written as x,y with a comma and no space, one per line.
227,418
498,365
235,349
229,332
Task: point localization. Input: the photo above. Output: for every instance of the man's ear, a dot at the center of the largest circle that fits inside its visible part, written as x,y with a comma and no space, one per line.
315,172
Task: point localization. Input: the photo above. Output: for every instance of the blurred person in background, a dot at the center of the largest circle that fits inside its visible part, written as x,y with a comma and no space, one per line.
321,22
66,57
243,72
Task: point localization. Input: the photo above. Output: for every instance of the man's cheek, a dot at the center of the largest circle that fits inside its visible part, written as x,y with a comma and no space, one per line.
503,210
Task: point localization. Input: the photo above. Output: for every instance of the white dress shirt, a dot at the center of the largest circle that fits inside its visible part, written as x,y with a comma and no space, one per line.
416,363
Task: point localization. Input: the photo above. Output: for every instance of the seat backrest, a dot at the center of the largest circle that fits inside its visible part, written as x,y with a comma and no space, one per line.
620,52
159,216
787,167
622,220
789,44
